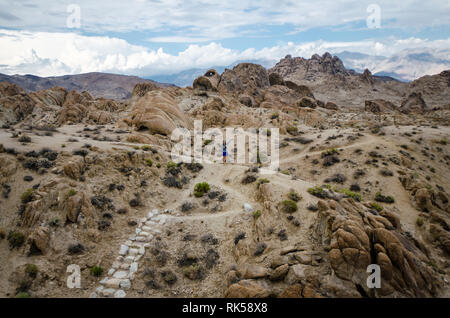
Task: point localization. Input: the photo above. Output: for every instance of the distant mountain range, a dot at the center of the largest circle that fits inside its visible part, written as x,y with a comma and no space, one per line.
105,85
405,66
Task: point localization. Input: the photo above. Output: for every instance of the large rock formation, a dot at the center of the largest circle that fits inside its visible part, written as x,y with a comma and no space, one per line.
157,112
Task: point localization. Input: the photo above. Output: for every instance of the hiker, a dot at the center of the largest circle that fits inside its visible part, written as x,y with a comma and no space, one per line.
224,151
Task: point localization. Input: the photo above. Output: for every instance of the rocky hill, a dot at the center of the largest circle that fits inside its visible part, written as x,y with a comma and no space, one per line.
331,81
91,182
105,85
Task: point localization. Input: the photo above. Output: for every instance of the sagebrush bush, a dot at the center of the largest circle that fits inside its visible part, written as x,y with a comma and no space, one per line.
31,270
16,239
376,207
27,196
289,206
201,188
383,198
96,271
294,196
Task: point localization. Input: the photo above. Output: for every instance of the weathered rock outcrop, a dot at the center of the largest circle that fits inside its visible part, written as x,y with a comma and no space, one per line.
157,112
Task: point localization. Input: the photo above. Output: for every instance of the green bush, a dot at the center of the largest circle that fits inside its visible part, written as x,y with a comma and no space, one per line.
382,198
201,188
292,130
146,148
27,196
171,165
274,116
419,221
316,191
376,207
329,152
149,162
31,270
23,295
206,142
355,196
16,239
71,193
63,146
96,271
294,196
256,214
262,181
289,206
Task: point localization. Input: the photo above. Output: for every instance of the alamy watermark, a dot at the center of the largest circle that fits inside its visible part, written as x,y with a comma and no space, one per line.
73,21
236,146
373,21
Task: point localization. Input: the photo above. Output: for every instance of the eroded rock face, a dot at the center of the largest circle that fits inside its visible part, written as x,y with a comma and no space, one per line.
379,106
157,112
208,82
413,103
245,78
357,238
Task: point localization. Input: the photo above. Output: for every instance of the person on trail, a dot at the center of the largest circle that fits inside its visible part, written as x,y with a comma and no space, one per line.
224,151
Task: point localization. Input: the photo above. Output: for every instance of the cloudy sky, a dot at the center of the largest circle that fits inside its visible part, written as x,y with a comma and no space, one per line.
153,37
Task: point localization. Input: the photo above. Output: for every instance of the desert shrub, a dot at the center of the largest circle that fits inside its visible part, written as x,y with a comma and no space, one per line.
31,270
158,165
317,192
149,162
194,272
24,138
292,130
75,249
209,239
355,187
329,152
256,214
16,239
249,178
382,198
171,165
238,237
194,166
260,248
201,188
289,206
54,222
262,181
274,116
187,206
146,148
419,221
169,277
443,141
337,178
294,196
386,173
355,196
71,193
80,152
282,235
27,196
206,142
96,271
63,146
330,160
22,295
376,207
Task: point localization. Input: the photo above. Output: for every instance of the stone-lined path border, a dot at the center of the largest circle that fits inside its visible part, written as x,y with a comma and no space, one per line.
126,265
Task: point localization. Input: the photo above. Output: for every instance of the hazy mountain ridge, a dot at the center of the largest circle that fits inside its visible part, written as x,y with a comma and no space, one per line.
114,86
